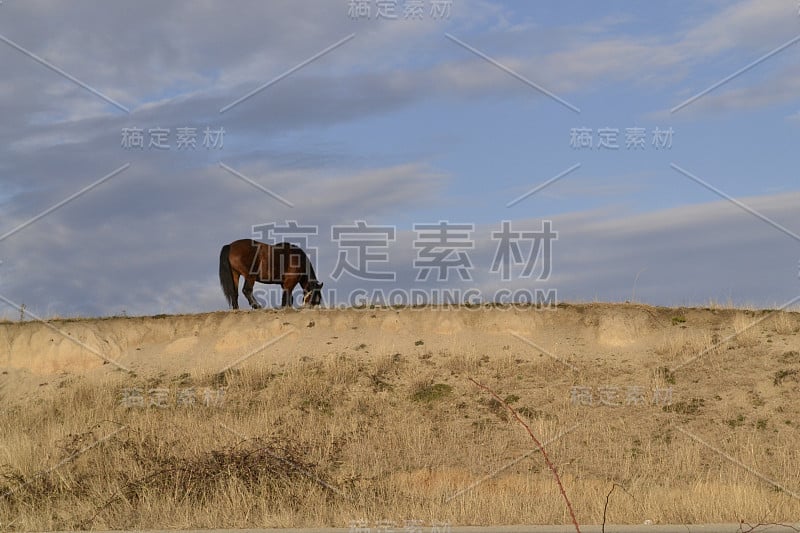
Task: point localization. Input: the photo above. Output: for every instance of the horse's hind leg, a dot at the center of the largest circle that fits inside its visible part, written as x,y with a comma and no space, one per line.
247,290
235,302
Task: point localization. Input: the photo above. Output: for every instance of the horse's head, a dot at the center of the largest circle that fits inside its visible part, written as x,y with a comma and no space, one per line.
312,293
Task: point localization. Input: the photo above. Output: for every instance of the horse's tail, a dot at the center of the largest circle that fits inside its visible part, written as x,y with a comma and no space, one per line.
226,276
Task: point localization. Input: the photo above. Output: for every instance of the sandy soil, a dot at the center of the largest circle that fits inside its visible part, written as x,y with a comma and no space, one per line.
622,338
578,333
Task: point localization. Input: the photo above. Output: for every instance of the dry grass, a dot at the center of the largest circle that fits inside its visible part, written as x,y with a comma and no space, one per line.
327,440
323,444
785,323
746,329
680,345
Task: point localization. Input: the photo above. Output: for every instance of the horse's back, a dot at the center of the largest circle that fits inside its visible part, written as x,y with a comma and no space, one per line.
289,257
242,256
270,263
245,245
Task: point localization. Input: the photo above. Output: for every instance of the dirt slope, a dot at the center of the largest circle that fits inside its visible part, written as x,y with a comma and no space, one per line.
188,342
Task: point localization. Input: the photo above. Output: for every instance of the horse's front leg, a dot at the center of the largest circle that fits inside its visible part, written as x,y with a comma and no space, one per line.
288,298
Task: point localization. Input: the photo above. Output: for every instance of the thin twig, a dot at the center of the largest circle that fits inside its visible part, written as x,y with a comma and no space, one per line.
605,508
742,523
541,448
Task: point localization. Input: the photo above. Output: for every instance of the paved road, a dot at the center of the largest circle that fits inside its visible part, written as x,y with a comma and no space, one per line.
701,528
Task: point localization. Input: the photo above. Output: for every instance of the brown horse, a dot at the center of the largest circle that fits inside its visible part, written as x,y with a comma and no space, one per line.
284,264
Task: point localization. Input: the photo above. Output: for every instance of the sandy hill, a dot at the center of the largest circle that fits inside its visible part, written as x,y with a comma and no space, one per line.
693,412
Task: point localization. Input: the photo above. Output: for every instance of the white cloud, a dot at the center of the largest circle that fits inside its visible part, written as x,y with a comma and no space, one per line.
747,25
691,254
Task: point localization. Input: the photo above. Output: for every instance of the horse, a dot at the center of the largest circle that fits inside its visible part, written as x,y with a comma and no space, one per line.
284,264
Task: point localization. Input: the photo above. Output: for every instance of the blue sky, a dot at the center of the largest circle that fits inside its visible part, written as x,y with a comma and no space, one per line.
399,125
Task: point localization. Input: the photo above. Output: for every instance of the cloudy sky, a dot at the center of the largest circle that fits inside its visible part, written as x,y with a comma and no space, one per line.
659,139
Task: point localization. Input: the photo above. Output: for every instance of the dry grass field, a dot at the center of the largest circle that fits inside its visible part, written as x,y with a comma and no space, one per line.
334,417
